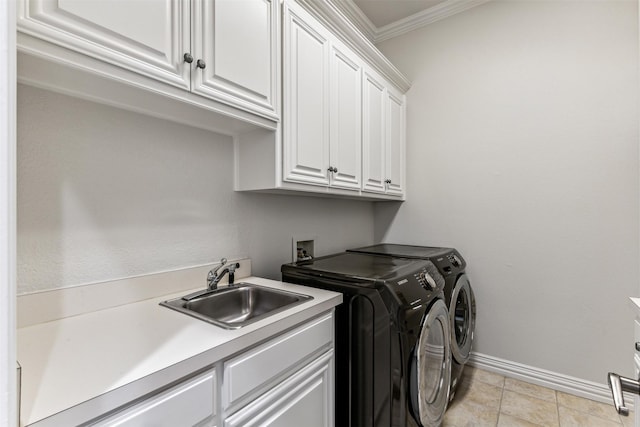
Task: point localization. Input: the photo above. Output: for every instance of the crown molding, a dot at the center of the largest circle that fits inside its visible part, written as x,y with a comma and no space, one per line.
357,17
405,25
331,15
423,18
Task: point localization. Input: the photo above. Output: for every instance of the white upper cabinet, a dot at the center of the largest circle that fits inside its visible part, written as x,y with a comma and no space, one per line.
373,147
236,42
322,105
383,147
345,118
223,50
395,142
148,37
305,100
343,112
234,67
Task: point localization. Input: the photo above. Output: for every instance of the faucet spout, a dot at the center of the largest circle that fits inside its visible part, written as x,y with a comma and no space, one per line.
215,275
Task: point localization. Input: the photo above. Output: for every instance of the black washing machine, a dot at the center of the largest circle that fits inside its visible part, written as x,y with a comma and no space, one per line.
458,296
393,357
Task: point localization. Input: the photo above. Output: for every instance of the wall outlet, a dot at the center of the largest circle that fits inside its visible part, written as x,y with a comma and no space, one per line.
303,248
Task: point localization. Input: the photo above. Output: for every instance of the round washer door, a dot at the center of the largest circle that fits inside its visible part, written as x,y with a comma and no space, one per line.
432,358
462,313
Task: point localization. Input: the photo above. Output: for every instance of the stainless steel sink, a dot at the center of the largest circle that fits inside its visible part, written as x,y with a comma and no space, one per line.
237,305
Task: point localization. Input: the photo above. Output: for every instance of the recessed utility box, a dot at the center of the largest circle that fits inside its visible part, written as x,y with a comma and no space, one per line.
303,248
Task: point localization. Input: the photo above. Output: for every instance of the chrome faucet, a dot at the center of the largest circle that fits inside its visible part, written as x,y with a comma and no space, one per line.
213,278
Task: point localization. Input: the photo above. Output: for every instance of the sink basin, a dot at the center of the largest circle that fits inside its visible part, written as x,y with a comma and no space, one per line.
237,305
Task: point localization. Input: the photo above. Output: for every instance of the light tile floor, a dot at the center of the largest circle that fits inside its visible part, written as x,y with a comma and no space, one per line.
488,399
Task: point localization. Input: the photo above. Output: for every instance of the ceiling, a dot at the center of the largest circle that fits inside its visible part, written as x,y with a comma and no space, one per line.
381,20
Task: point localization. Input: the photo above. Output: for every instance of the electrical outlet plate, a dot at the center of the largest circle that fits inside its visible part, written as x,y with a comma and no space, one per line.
302,247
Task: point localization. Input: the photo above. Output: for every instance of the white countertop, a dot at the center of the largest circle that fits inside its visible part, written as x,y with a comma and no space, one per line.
117,351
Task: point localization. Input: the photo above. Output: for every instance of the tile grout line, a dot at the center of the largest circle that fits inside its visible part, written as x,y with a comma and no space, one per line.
594,413
555,396
500,406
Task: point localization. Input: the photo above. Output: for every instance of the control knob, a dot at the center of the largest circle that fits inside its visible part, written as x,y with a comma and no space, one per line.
455,260
426,280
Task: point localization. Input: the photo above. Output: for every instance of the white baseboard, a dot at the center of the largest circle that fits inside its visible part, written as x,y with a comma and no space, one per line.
552,380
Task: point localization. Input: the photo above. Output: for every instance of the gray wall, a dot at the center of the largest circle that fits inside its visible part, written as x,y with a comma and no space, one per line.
105,194
523,153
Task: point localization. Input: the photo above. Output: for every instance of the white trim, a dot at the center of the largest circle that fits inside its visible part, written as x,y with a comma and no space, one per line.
8,385
358,18
404,25
331,15
552,380
423,18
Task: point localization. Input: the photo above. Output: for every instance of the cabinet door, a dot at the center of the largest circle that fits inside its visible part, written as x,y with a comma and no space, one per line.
395,143
187,404
345,117
373,137
148,37
304,399
237,40
264,365
306,97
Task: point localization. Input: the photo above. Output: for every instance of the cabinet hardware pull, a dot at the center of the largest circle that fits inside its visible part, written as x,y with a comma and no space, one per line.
332,169
201,64
618,384
188,58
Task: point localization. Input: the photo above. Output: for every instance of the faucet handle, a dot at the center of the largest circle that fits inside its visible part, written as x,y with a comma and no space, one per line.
214,272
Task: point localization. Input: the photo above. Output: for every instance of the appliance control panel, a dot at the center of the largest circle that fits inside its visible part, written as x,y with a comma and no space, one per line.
454,260
425,280
449,263
416,288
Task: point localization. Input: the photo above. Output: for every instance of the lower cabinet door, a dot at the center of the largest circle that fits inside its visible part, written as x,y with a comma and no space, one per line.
189,403
304,399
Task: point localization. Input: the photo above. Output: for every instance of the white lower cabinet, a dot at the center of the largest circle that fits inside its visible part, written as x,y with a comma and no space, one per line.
304,399
189,403
286,381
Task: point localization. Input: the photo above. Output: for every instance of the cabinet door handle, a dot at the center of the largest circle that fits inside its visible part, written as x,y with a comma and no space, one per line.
332,169
387,181
188,58
638,346
201,64
618,384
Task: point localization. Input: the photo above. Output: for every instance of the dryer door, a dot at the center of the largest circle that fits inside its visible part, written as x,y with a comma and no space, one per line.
431,367
462,313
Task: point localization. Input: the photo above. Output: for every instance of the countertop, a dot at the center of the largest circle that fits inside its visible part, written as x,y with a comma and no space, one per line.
121,353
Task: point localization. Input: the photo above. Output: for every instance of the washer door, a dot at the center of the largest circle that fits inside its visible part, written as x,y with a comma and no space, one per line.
462,312
431,375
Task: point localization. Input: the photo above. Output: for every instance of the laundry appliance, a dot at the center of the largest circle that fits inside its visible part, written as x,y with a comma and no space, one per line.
392,355
458,293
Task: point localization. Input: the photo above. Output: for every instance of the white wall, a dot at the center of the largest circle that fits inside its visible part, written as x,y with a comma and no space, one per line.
8,383
105,193
523,154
